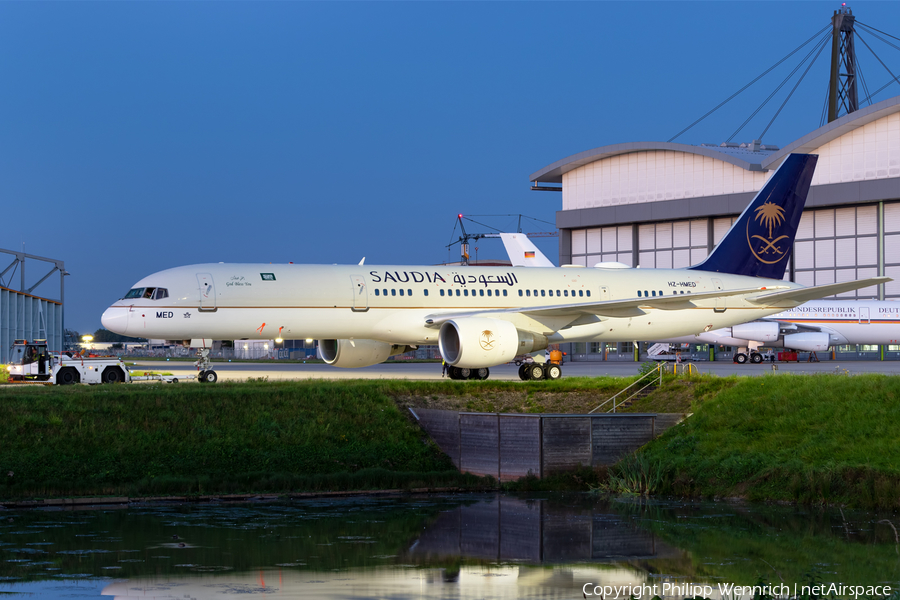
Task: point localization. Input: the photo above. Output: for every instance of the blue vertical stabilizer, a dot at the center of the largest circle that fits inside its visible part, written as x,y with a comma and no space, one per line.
760,241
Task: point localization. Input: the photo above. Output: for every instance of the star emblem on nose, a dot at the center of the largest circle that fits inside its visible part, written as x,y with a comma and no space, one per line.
187,315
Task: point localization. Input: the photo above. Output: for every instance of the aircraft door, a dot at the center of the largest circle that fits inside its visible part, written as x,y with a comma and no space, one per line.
360,294
720,302
207,292
864,315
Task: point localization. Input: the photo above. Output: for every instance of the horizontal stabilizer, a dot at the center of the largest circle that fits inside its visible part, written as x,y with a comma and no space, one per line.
801,295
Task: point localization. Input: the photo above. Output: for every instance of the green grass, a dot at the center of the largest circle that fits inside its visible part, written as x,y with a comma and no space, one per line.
246,437
814,439
150,439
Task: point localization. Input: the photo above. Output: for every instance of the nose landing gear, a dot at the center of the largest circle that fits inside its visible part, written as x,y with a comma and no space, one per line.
206,375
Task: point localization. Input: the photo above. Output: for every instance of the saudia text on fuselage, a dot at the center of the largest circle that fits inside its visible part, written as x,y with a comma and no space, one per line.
508,279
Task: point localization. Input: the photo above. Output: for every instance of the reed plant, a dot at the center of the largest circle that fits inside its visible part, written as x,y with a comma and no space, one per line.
634,475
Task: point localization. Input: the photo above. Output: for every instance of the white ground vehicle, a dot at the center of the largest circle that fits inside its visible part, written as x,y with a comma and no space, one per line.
31,361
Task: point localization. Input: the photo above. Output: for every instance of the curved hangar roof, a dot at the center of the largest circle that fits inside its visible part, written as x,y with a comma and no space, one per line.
763,160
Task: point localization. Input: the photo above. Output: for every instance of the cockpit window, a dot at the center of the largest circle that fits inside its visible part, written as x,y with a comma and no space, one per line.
148,293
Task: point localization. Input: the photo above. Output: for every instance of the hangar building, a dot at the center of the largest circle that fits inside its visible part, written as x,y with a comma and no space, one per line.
666,205
24,315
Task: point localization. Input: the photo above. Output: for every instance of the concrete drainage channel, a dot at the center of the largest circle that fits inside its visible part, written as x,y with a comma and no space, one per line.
508,446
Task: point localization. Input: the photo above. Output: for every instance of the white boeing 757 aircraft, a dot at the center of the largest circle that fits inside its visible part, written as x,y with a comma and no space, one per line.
482,317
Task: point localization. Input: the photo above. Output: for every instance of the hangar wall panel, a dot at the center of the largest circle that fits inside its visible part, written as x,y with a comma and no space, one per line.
603,244
654,175
869,152
836,245
23,316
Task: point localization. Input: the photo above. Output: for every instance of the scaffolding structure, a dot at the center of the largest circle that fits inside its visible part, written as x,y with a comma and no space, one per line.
24,315
843,98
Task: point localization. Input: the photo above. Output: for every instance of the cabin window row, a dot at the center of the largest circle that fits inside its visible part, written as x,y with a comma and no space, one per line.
565,293
481,292
465,292
646,294
394,292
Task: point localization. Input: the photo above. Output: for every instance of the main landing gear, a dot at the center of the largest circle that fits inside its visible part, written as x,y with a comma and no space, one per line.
206,374
463,373
536,371
742,358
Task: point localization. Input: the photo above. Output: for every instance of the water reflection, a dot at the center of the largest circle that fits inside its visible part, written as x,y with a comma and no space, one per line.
394,583
507,528
487,546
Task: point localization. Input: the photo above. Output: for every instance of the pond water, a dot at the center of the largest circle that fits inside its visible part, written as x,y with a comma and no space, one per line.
455,546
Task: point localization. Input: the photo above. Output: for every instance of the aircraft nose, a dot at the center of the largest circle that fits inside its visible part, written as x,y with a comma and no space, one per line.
115,319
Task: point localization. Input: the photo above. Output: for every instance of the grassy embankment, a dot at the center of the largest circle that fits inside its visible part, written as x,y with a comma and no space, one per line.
176,439
811,439
149,439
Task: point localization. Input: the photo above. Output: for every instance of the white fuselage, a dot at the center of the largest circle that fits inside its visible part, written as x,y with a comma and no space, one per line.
394,303
844,321
848,321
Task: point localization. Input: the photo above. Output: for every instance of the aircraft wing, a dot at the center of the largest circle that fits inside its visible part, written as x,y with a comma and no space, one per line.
801,295
607,308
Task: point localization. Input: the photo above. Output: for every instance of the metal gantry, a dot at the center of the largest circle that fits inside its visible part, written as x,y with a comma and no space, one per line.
842,95
24,315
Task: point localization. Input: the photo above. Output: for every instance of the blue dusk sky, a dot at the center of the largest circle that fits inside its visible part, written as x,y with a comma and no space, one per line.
140,136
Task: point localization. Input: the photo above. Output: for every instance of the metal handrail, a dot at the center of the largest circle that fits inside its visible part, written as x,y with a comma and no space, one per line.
659,370
688,368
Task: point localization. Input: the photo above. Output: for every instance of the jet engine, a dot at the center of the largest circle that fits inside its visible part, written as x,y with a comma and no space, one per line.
808,342
351,354
758,331
476,342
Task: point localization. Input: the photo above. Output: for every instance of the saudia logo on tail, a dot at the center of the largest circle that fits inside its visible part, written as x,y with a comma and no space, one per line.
487,339
767,248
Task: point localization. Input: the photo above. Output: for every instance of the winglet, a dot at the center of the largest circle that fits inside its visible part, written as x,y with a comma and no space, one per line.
760,241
